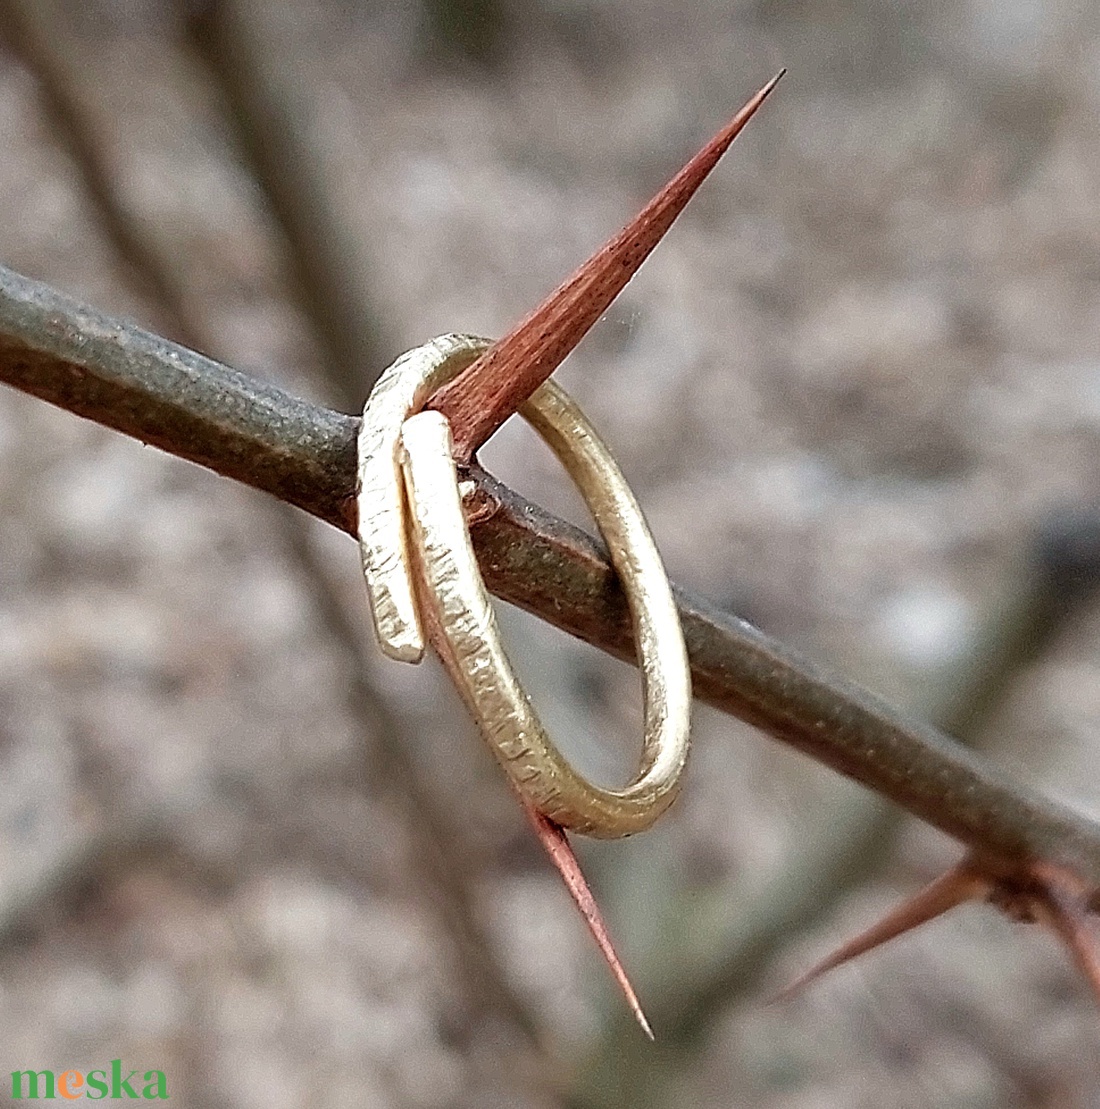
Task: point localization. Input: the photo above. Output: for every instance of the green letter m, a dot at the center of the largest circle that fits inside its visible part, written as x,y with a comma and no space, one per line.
32,1078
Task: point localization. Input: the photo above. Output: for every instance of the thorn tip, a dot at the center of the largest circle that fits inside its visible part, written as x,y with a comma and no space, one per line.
553,839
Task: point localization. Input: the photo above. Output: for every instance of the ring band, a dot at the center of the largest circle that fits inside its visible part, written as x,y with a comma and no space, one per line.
456,603
403,387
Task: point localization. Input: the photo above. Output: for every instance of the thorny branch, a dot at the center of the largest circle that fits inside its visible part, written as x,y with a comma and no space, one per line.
191,406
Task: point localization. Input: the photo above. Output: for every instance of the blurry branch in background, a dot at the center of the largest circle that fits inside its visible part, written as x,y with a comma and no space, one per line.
37,33
33,31
200,410
278,126
469,32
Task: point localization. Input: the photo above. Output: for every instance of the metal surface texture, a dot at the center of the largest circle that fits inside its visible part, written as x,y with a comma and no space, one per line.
401,390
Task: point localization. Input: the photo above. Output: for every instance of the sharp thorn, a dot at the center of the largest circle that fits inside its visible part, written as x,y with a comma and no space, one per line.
553,839
483,396
1066,919
960,884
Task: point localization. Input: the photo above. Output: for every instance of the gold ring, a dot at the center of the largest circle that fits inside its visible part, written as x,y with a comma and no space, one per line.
458,607
403,387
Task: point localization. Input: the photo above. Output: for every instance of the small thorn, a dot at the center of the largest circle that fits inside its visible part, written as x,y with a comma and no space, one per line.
552,837
1065,917
961,883
483,396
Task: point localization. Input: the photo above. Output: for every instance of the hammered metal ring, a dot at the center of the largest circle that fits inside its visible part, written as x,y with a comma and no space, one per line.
457,605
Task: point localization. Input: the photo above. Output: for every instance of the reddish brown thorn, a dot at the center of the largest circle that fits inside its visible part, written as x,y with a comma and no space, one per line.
962,883
552,837
482,397
1065,917
1059,900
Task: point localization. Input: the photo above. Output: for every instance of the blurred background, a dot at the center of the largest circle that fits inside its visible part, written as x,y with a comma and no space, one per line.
856,391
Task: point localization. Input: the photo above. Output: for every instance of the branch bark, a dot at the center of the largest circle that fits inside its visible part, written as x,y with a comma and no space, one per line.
196,408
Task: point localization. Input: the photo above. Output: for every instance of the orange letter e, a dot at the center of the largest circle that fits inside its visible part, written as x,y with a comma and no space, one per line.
63,1084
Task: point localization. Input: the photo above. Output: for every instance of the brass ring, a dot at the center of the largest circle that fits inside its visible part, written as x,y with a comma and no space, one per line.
403,387
458,605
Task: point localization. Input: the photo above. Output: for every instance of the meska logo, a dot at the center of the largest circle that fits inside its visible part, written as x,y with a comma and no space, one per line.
96,1084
